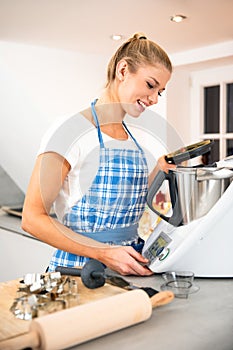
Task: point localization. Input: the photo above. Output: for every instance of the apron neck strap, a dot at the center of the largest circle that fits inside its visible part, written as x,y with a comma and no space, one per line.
132,137
94,114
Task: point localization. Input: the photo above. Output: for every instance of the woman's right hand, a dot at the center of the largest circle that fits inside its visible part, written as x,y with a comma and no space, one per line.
124,260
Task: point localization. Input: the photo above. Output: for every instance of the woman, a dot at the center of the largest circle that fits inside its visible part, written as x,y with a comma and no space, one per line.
94,171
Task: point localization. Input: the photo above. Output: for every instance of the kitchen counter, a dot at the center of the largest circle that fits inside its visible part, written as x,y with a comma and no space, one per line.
204,321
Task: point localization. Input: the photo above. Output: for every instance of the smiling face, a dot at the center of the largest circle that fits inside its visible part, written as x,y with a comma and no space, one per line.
139,90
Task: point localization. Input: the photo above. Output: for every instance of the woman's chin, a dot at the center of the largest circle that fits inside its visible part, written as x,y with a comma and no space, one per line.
135,111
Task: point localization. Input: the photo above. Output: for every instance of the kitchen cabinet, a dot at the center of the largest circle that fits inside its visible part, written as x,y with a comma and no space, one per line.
21,254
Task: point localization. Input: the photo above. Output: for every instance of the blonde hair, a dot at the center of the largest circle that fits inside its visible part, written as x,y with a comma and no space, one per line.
136,51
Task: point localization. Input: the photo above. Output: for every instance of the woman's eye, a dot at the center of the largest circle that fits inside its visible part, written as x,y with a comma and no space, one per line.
150,86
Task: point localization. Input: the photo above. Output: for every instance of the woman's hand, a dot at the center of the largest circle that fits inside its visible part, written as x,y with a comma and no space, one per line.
124,260
161,165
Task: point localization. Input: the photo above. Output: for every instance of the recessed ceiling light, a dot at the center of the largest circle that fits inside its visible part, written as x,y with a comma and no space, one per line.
177,18
116,37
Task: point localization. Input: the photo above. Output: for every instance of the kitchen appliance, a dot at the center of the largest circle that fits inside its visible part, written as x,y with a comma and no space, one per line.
196,234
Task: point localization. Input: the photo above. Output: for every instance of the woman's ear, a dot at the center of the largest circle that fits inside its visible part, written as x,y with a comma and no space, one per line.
121,69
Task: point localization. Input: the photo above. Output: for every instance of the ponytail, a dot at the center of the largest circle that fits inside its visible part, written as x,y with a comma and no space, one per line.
137,50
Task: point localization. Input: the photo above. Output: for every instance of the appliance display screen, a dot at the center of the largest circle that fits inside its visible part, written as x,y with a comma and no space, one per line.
157,246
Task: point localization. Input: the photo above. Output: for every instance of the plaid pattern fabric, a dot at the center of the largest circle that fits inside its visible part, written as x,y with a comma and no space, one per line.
117,195
61,258
115,200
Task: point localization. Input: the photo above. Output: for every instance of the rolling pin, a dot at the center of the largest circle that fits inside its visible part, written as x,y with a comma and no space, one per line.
76,325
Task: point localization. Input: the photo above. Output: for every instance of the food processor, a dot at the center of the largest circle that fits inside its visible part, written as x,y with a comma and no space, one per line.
196,232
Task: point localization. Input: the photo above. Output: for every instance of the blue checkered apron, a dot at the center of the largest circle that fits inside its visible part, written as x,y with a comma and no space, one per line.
110,210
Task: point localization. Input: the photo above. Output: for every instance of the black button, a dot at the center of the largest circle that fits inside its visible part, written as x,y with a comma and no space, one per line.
159,250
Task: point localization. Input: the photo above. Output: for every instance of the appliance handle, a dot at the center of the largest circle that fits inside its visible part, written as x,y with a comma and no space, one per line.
175,219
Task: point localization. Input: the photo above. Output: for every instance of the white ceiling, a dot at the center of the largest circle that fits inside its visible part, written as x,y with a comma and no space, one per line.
86,25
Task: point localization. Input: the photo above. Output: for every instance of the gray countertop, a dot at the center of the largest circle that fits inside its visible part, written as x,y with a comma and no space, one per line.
204,321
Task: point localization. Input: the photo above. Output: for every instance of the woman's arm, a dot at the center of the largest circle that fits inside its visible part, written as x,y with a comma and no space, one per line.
46,181
48,175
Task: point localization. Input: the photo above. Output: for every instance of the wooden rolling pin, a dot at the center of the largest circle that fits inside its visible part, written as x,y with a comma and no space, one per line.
76,325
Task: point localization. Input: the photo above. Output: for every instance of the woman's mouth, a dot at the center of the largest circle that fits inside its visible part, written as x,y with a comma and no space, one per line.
142,105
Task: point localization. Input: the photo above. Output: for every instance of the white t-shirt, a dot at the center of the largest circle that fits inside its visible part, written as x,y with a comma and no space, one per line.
76,139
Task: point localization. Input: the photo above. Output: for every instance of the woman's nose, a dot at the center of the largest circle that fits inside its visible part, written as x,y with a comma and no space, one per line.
153,99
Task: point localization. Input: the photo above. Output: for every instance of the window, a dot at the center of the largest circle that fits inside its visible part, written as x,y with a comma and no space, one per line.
212,110
230,108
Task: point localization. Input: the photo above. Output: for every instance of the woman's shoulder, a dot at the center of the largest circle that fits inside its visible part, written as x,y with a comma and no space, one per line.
74,124
63,133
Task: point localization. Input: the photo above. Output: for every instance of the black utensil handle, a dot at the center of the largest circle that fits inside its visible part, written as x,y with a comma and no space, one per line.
149,291
71,271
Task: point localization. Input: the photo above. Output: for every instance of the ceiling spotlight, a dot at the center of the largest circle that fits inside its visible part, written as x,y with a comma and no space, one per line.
177,18
116,37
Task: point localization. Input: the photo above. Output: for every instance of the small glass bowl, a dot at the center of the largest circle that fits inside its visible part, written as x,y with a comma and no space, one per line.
180,283
170,276
181,289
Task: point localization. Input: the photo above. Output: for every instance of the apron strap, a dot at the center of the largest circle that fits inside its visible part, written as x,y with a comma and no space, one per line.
133,138
97,123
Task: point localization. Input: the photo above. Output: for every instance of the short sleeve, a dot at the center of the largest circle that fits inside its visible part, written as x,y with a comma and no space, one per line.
63,136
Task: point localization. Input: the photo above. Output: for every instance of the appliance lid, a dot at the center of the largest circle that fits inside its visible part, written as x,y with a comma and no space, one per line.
188,152
213,173
204,173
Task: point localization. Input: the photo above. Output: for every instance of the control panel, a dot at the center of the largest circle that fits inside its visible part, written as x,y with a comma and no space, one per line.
156,248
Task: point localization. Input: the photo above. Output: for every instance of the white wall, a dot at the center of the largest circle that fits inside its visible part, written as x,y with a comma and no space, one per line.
37,86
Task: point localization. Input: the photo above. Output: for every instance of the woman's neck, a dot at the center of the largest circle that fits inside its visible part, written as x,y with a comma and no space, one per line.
116,131
110,116
109,109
